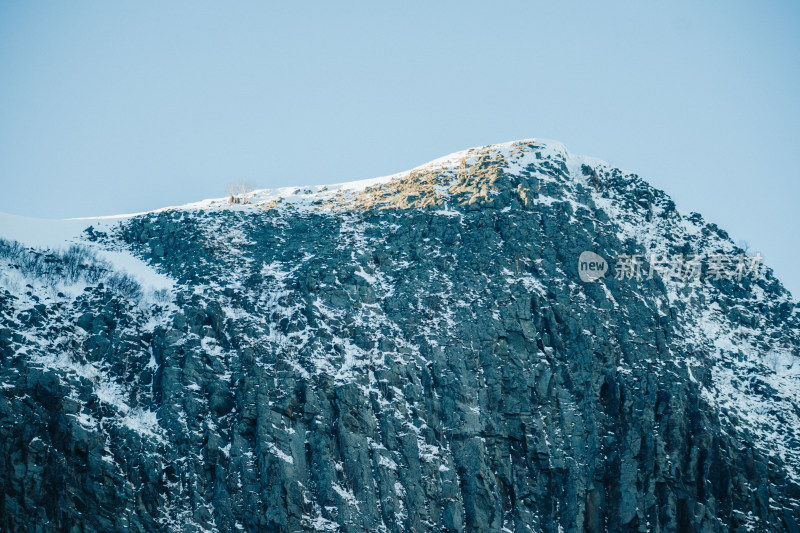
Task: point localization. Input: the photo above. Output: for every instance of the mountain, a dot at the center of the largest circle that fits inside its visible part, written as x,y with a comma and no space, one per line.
419,352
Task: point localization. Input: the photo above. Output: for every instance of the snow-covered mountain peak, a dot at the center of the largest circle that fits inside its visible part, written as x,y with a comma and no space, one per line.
515,154
412,352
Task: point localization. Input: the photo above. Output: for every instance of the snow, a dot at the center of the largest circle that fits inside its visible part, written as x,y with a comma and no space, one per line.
368,277
60,234
732,348
274,450
345,494
53,232
40,232
387,462
106,390
147,276
739,361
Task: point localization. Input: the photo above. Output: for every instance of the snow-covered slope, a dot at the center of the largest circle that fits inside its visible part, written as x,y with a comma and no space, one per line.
413,352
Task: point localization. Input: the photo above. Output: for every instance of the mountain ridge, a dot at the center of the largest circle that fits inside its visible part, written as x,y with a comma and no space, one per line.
415,352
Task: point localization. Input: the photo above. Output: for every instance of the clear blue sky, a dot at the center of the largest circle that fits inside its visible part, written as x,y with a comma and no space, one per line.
111,107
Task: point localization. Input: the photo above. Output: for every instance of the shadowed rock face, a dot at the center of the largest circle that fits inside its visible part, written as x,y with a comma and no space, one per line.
417,356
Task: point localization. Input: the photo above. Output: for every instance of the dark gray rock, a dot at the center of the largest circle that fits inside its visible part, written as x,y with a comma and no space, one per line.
404,360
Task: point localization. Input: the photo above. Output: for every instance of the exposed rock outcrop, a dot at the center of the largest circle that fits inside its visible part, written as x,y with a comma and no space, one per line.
418,355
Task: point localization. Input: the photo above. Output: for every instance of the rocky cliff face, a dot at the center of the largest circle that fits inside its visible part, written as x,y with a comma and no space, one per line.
418,354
